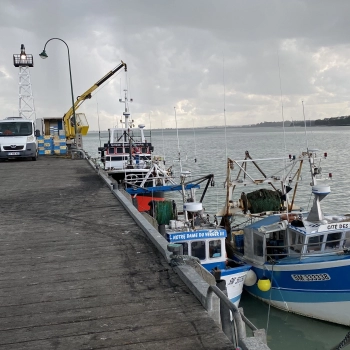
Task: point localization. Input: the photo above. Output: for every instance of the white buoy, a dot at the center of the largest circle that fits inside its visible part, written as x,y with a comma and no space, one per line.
193,206
250,278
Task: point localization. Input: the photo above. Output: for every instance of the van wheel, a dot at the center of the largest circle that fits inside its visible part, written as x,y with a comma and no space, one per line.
36,156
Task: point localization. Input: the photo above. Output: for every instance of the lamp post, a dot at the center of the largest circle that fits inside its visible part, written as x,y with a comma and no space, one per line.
44,55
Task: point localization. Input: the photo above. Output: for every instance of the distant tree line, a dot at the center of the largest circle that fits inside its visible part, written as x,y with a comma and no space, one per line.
287,123
335,121
341,121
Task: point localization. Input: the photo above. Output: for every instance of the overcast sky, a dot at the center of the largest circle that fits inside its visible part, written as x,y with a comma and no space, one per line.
249,57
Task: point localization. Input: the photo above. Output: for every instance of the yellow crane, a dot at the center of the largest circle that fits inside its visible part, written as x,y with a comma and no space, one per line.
81,121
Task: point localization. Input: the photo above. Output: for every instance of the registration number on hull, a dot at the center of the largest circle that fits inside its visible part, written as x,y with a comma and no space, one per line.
311,277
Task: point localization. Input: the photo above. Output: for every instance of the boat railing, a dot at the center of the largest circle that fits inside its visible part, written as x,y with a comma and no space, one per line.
234,327
276,252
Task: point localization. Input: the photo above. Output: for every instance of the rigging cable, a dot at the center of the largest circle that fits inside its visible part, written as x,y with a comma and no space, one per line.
150,125
195,147
307,148
161,124
98,122
223,80
178,142
284,134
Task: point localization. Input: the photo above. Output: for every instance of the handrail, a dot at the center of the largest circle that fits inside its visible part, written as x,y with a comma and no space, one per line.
237,317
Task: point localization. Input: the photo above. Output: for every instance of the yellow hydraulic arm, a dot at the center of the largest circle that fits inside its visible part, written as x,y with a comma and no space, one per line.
82,125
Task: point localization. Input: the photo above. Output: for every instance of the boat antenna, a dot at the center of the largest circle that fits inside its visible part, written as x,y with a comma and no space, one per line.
282,107
307,146
284,137
178,142
149,118
195,147
161,124
98,123
223,81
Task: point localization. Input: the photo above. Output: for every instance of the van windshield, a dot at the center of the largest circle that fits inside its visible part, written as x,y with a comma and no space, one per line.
15,129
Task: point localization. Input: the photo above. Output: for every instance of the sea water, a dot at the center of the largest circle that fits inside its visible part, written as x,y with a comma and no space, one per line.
205,151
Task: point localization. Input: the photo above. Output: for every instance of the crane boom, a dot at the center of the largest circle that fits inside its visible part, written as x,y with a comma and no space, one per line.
82,124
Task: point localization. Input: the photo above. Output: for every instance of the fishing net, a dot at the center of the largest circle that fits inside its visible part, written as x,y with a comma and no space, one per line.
165,211
264,200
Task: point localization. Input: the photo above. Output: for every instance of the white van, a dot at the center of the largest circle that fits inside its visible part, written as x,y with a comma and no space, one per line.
18,138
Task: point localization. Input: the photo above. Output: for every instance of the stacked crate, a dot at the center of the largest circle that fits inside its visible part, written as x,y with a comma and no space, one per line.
48,144
41,149
59,144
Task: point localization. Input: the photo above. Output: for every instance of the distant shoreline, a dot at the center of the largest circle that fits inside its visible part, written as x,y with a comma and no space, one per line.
236,127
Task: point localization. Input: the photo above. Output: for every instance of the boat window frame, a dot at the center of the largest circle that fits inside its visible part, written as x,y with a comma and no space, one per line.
221,250
277,251
346,239
315,245
334,241
205,249
261,237
295,245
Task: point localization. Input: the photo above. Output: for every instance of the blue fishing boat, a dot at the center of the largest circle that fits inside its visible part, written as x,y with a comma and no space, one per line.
200,239
301,259
209,246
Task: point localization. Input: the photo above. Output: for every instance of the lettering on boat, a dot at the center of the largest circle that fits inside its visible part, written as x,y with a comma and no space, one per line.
311,277
336,226
236,280
201,234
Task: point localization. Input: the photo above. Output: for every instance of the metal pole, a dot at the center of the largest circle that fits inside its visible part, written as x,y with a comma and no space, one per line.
71,87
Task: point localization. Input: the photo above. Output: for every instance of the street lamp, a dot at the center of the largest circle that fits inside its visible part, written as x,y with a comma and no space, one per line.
44,56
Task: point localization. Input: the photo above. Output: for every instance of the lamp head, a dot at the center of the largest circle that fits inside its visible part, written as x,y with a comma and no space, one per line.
43,55
23,53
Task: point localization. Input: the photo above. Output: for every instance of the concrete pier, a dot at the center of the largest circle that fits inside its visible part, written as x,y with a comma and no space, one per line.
76,272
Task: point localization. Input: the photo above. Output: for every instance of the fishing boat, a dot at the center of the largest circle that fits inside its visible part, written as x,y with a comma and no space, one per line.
300,259
190,227
128,157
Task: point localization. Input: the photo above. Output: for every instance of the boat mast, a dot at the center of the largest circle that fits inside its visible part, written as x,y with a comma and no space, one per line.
126,114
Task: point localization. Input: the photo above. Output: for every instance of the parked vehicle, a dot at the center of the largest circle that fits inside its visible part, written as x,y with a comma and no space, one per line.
18,138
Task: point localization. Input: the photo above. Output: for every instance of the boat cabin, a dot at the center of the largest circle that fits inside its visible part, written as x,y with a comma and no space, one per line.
273,239
208,245
126,148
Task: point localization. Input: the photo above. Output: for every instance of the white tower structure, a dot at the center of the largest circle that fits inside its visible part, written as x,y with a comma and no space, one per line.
26,100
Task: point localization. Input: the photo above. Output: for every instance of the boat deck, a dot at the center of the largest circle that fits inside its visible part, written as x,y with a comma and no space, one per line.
77,272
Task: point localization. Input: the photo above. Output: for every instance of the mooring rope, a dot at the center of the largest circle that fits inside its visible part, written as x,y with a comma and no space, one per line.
343,343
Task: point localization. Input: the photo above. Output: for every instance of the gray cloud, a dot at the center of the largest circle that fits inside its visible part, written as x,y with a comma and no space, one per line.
183,54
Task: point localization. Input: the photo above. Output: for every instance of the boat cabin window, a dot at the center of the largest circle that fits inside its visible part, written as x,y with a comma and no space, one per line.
120,150
111,150
215,248
118,158
198,249
314,244
144,150
347,240
275,245
296,241
258,245
333,240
